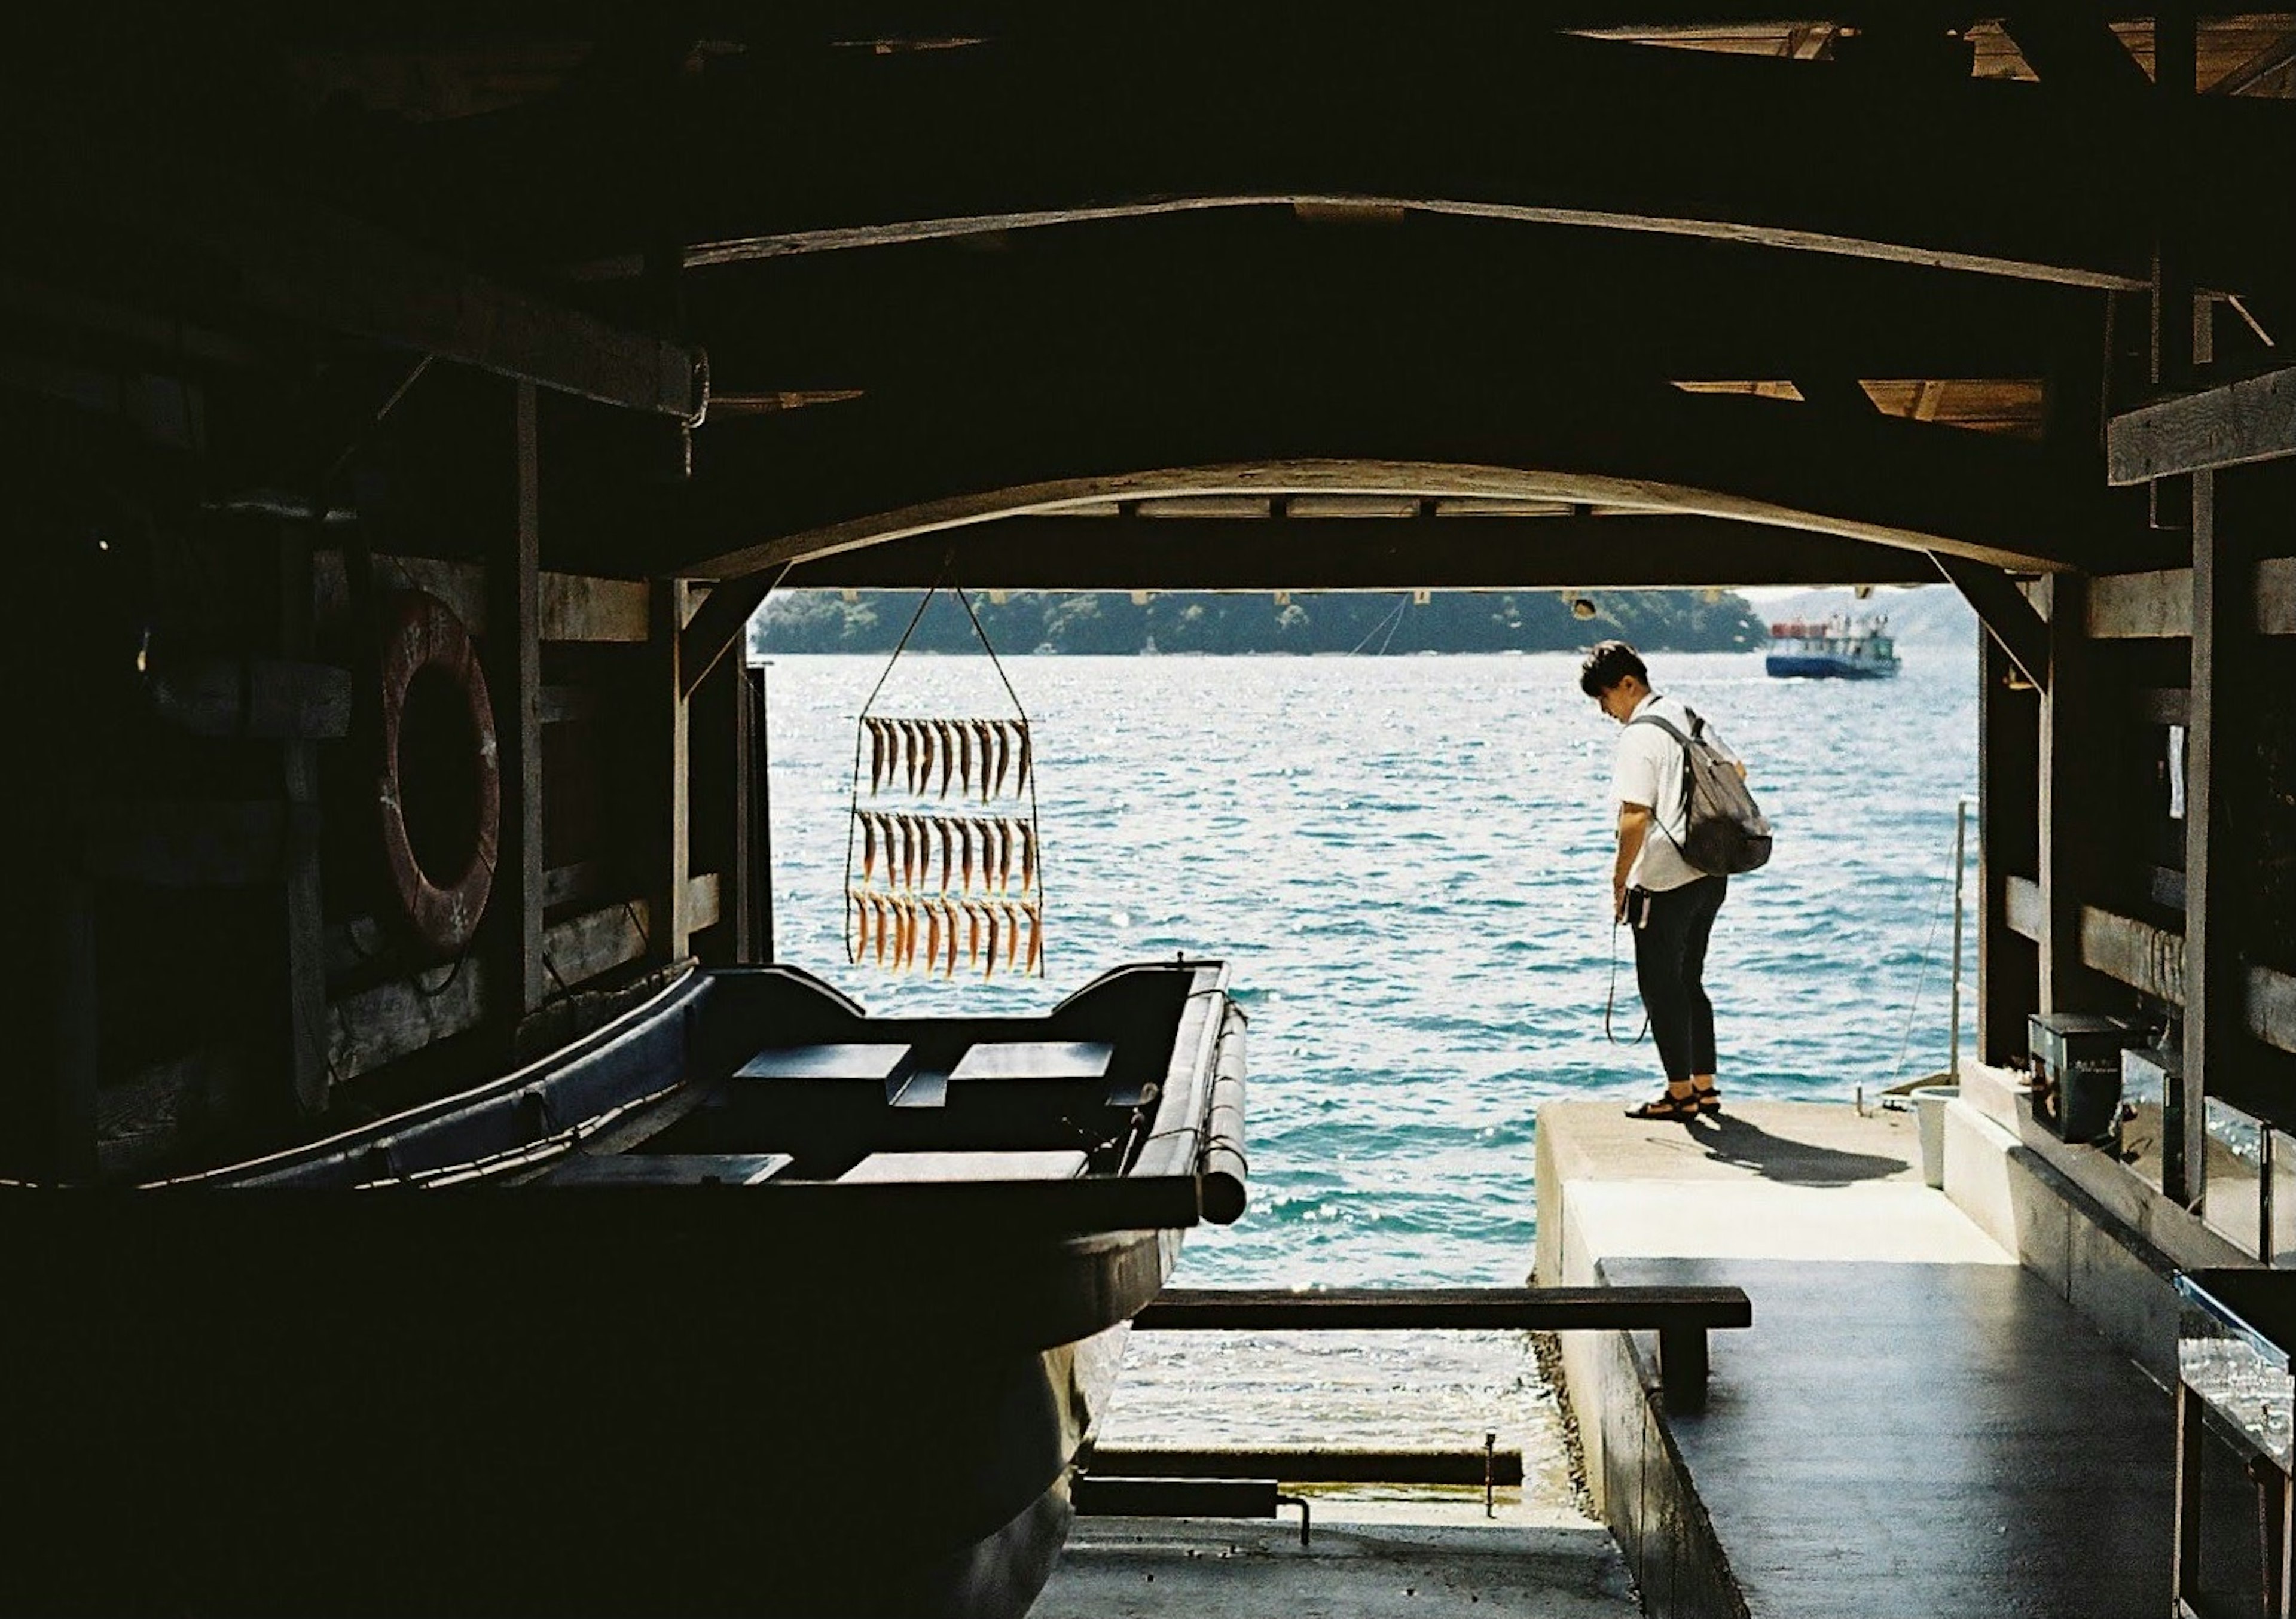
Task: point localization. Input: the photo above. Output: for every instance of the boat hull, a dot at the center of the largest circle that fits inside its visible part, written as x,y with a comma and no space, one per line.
514,1352
1818,666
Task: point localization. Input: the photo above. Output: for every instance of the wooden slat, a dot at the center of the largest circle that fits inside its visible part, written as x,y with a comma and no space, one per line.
2157,606
2069,842
197,843
580,607
1416,1309
2219,783
2023,907
302,915
2239,423
673,787
514,659
2008,784
2152,959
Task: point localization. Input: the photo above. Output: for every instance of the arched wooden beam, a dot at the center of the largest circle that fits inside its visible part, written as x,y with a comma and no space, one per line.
1446,553
1475,109
773,493
1530,296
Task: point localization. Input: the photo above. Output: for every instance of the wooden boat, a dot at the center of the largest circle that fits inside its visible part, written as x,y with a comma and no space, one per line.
748,1301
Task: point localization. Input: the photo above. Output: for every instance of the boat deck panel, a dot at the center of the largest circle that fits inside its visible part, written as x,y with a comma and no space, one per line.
667,1169
878,1061
909,1168
1035,1060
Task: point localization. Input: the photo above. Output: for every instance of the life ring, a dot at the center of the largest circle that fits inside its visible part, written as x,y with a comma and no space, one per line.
438,793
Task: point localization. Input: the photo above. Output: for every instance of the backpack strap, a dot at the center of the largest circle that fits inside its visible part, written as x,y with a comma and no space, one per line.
1698,729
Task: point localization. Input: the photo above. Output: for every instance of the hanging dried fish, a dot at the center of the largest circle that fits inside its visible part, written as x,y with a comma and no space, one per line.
868,844
982,734
913,874
1012,933
1028,855
963,730
876,735
947,849
1004,753
932,937
884,923
928,739
988,969
945,734
1036,938
964,836
1027,760
949,908
860,934
1012,831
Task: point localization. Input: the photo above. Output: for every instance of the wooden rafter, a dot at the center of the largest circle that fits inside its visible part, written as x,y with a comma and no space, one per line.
1505,121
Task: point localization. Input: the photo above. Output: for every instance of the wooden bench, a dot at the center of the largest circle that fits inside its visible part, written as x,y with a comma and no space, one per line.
1680,1315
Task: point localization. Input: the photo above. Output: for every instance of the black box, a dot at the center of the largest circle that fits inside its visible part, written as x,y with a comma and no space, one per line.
2077,1071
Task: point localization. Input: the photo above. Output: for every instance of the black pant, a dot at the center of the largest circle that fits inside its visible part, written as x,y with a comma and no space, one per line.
1671,927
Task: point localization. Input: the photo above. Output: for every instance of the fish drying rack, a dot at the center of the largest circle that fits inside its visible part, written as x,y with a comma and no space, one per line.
929,848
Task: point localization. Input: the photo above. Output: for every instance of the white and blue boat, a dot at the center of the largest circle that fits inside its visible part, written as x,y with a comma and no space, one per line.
1833,649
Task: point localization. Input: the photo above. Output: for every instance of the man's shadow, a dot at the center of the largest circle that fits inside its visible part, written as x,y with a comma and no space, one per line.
1729,1139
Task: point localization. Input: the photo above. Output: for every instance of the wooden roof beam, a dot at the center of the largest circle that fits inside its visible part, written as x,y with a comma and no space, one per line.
777,492
1506,121
1622,550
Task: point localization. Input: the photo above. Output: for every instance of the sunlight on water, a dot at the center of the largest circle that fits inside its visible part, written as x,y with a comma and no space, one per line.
1404,861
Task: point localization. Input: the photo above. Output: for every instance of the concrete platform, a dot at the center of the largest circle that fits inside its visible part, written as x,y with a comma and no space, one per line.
1914,1425
1399,1560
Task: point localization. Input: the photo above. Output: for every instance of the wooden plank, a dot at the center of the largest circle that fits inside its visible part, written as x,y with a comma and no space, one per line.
2067,42
1426,1309
462,585
2008,817
2218,755
1314,1464
197,843
567,885
302,914
152,1114
514,675
267,698
2068,800
759,890
2152,959
580,607
673,788
2232,425
395,1020
2159,605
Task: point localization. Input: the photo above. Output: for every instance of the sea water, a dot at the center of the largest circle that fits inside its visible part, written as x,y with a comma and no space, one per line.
1405,863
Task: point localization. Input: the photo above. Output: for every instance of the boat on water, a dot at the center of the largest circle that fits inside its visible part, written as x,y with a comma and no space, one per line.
748,1301
1839,648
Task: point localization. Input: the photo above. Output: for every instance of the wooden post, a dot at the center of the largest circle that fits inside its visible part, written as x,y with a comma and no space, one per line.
2066,810
514,674
2008,985
2215,1016
759,711
672,907
738,907
303,926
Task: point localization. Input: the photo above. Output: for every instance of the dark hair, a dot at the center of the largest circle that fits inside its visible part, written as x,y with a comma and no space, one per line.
1607,665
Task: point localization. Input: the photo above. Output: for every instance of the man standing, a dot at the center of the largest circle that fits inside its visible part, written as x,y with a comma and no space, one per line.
1670,904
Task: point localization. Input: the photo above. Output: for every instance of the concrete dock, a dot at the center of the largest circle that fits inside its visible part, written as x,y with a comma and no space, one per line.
1911,1426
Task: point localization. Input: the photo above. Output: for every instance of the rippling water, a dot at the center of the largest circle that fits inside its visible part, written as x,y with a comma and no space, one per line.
1406,862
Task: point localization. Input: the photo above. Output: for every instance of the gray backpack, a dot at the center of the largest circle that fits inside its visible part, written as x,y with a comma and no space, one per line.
1723,831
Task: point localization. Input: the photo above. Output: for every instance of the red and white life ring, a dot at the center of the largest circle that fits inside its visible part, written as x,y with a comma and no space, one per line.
438,795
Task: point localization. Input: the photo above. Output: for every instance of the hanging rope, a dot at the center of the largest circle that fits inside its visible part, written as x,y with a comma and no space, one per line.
1928,947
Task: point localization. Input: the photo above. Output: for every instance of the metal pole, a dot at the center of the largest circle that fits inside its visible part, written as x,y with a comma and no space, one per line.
1960,841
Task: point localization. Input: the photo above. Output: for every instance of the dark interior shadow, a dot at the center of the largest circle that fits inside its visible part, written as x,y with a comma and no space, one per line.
1731,1140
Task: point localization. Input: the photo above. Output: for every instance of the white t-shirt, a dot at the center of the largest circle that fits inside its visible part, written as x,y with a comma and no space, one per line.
1649,771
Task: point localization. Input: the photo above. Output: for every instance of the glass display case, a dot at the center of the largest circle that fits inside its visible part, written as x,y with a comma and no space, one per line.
2234,1333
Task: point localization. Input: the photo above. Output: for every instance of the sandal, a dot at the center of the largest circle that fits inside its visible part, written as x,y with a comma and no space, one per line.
1667,1106
1708,1099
